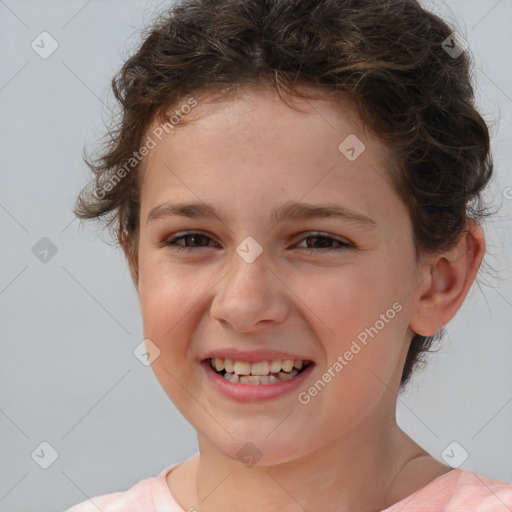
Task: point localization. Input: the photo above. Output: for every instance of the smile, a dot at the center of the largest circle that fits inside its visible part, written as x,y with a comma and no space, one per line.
258,373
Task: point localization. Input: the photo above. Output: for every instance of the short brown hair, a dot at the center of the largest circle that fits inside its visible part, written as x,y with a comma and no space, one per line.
386,57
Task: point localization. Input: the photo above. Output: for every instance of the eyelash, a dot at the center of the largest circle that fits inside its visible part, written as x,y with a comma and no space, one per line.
171,243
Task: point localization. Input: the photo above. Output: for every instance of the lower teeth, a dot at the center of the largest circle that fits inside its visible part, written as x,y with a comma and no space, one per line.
256,379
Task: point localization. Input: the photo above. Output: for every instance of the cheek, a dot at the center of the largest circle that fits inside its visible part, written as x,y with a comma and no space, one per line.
341,301
166,299
358,315
168,302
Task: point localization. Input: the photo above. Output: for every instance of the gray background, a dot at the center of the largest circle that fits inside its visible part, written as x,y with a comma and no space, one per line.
69,325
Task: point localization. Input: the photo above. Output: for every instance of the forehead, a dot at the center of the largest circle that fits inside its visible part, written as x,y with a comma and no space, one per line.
257,102
252,144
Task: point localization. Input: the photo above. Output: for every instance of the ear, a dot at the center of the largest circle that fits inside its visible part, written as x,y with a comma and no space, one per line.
445,281
130,250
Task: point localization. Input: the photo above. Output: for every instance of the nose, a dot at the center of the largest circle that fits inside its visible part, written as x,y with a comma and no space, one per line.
250,296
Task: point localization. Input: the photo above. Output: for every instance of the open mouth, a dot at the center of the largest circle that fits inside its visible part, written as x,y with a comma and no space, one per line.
261,372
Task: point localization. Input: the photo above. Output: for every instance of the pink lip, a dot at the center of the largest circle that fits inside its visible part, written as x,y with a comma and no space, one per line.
253,392
252,356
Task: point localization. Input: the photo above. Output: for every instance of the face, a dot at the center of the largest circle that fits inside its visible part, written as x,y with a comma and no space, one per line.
333,290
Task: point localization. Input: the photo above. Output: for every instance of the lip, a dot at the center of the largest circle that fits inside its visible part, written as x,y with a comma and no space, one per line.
252,356
253,392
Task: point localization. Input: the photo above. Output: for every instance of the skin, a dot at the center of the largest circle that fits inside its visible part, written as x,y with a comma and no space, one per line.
246,155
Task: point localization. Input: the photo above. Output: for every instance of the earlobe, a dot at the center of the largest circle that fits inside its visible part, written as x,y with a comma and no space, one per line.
451,276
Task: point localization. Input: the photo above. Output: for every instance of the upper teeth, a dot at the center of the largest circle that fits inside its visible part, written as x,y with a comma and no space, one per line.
259,368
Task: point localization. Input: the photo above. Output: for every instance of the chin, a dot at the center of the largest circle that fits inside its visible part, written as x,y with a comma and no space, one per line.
252,452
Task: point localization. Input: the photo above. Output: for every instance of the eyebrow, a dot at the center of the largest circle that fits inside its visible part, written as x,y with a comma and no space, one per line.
289,210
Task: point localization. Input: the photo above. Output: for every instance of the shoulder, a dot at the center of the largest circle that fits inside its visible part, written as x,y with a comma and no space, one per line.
138,498
478,493
459,491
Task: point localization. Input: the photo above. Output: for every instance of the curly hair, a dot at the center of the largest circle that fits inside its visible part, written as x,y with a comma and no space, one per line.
388,58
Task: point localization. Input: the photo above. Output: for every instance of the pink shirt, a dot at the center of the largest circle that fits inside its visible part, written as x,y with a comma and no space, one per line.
456,491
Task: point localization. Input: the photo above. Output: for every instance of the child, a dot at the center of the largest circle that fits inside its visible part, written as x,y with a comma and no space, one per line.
252,131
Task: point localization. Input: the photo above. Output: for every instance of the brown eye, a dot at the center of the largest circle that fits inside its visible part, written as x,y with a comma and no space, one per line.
325,243
193,238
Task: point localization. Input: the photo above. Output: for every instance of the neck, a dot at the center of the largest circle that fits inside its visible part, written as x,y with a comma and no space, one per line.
352,472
